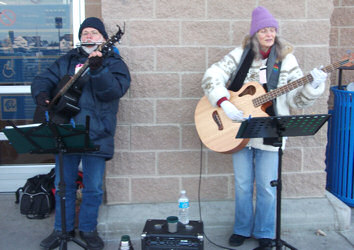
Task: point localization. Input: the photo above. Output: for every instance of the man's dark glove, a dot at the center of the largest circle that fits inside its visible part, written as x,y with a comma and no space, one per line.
95,62
41,98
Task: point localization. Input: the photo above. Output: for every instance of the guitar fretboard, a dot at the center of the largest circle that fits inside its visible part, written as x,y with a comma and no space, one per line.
271,95
75,77
103,48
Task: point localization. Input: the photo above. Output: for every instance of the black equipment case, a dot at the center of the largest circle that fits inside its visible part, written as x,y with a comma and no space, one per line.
155,236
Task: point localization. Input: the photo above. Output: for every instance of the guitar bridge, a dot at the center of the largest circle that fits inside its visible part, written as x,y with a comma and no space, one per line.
217,120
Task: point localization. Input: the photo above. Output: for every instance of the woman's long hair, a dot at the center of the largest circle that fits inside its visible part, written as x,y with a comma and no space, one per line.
281,47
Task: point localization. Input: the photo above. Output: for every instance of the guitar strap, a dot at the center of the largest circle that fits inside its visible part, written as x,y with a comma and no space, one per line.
241,72
273,72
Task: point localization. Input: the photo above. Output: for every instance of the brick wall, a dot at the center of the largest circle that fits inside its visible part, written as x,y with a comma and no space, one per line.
93,8
168,45
341,39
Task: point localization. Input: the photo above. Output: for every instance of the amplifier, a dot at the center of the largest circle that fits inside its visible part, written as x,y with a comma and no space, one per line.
155,236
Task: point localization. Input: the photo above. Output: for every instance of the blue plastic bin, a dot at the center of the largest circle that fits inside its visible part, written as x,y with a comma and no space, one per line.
340,150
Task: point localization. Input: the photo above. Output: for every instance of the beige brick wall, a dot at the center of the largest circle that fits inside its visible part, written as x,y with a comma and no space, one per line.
168,45
341,39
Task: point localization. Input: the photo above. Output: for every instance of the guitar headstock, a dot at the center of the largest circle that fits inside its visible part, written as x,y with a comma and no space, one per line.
348,60
107,46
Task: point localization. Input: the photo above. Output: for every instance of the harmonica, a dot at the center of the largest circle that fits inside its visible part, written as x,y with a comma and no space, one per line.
89,44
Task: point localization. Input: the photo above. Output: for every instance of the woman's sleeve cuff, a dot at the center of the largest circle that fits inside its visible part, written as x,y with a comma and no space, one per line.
221,100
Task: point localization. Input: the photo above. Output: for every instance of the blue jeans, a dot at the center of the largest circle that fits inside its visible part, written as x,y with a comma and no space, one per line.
260,166
93,171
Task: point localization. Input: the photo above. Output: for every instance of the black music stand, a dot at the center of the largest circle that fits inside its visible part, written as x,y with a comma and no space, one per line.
278,127
52,138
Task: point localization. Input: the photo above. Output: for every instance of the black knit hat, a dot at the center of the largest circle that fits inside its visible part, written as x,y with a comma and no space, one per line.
93,22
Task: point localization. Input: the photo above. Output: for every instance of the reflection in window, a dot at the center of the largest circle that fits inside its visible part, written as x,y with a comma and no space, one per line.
33,34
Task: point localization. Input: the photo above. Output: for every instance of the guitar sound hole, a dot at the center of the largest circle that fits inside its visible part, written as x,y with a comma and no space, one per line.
250,90
217,120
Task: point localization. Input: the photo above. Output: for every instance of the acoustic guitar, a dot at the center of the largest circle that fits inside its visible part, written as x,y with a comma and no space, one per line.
218,132
65,103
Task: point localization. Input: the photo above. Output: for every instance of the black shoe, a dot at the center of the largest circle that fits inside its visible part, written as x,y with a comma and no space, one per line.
237,240
92,239
53,240
266,244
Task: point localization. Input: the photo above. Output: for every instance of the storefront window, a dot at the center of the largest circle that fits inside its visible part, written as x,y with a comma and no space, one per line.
33,34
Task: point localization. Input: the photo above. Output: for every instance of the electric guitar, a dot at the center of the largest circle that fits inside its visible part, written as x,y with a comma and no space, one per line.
65,103
218,132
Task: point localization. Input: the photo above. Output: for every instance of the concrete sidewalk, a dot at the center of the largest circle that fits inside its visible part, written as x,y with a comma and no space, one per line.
302,219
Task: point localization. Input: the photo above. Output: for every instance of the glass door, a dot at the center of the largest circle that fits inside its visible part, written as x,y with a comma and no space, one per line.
33,34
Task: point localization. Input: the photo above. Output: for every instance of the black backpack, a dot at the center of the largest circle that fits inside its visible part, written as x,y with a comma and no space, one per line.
36,197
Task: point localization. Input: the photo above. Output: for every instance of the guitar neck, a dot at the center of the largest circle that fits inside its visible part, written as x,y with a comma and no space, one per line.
271,95
104,48
72,80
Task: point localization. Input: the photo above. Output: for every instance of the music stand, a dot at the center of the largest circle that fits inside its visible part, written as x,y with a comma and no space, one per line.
277,127
52,138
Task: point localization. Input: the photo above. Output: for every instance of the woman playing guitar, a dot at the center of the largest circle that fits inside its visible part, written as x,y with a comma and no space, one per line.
266,61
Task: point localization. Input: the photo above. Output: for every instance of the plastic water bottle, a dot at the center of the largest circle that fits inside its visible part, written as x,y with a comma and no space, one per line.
350,86
183,208
125,243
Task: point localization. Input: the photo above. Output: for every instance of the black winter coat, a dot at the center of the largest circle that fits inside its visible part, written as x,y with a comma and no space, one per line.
100,97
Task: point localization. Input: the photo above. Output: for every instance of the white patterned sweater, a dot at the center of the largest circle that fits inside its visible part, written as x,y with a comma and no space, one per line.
217,78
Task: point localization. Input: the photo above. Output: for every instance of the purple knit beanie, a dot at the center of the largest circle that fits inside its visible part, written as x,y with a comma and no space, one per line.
261,18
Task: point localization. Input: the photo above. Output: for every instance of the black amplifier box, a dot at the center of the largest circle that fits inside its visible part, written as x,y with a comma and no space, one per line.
155,236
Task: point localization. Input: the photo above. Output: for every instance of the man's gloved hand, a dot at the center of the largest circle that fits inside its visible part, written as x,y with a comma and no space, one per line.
319,77
95,62
231,111
42,99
